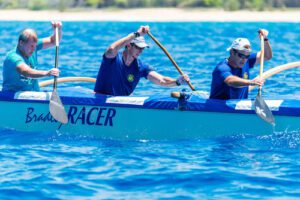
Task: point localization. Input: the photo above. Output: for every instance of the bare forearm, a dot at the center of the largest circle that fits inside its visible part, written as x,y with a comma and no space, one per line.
167,81
32,73
161,80
235,81
268,51
29,72
50,41
114,48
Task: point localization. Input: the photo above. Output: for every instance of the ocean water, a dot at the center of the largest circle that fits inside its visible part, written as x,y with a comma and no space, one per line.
51,165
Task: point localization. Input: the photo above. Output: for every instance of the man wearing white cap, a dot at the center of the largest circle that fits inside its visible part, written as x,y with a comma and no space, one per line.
230,78
120,71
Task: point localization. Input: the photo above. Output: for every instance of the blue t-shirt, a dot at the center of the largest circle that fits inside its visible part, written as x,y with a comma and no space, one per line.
12,79
220,90
115,78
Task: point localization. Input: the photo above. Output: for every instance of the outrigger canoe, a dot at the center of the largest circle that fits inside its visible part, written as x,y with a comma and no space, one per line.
158,117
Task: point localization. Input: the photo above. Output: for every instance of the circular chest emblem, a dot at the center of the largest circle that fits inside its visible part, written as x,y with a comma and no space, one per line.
130,77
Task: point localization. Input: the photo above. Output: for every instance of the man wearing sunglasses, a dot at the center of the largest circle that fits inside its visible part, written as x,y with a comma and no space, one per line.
120,71
230,78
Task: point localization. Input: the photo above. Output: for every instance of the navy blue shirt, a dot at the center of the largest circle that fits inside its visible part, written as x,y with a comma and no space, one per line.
220,90
115,78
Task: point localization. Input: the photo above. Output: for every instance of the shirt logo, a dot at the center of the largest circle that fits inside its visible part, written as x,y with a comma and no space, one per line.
130,77
245,76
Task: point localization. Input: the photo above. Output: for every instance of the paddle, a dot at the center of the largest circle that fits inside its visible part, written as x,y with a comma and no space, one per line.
172,60
57,109
261,108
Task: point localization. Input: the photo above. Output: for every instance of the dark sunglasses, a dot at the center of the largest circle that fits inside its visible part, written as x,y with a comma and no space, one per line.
240,55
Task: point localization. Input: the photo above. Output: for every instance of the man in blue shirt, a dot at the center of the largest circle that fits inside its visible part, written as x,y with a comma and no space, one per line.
230,78
120,71
20,65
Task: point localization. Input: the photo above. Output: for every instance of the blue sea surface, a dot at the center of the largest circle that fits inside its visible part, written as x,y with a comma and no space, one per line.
51,165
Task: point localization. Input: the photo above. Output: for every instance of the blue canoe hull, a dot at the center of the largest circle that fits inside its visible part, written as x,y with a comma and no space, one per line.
150,118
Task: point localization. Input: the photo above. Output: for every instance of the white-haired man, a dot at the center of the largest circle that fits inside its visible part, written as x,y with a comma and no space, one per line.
20,71
230,78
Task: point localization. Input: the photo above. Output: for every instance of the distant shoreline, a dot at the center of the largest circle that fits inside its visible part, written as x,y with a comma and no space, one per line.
152,15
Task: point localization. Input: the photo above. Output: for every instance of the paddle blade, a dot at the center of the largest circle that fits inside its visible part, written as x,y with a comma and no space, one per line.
57,109
263,111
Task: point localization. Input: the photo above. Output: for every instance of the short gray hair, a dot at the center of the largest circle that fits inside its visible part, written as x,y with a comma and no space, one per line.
27,34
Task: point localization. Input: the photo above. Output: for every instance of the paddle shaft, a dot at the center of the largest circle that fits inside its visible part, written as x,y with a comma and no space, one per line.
56,56
262,57
56,107
170,57
261,107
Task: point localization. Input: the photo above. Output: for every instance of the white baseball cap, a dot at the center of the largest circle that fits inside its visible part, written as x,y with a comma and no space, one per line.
140,42
241,44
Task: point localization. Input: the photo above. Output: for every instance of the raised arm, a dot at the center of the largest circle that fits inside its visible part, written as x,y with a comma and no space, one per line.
268,48
114,48
50,41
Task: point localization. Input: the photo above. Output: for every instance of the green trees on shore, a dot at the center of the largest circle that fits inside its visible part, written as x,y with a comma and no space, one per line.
223,4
